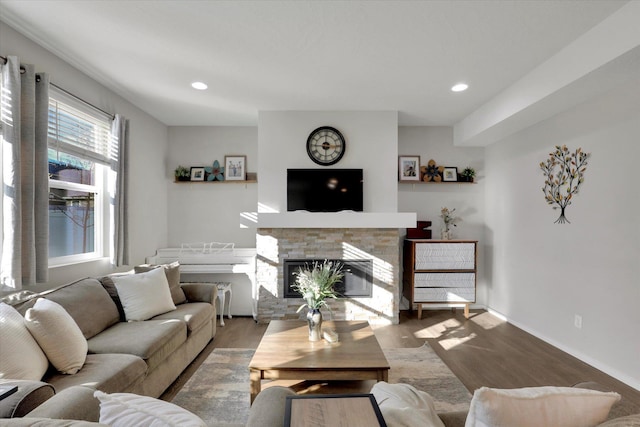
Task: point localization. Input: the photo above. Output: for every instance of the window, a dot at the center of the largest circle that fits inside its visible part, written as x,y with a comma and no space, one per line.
79,157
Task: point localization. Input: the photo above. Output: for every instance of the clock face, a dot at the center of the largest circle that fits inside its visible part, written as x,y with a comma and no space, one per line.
326,146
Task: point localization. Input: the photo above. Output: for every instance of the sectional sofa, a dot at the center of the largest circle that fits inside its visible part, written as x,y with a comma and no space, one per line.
142,357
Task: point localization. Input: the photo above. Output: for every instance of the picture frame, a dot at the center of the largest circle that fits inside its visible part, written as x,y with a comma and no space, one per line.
197,173
235,168
408,168
450,174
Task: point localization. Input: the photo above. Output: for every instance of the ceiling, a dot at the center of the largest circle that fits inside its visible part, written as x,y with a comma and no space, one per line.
305,55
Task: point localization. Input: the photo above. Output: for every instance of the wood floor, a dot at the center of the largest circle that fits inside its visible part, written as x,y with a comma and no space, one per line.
481,351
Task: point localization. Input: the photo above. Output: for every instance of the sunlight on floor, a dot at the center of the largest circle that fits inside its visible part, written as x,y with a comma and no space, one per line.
487,320
438,330
449,343
452,332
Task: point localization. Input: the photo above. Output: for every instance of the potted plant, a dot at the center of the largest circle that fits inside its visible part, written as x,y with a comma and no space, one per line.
468,174
182,174
316,283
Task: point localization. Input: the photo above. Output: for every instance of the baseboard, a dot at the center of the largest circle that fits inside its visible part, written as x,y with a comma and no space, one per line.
585,358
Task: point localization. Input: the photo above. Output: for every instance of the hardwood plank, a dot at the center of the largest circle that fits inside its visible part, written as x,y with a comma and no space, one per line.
481,351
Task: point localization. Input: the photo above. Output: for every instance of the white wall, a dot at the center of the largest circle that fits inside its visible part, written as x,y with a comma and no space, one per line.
371,144
436,142
148,151
206,212
542,274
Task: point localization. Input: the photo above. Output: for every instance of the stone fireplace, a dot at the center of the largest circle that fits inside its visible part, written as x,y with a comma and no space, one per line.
379,245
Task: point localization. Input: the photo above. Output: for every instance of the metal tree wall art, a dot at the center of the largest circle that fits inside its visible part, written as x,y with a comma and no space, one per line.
564,173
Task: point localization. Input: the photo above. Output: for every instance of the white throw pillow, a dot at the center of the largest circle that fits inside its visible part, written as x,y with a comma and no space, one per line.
58,335
144,295
20,356
403,405
539,406
126,409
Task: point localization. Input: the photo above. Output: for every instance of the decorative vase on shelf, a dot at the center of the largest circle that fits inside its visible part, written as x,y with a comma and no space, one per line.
314,319
445,234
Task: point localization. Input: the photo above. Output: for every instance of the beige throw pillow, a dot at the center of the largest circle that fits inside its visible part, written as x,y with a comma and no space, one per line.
403,405
58,335
539,406
21,358
172,271
126,409
144,295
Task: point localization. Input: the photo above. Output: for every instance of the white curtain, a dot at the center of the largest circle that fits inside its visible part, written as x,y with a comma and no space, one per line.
25,203
120,212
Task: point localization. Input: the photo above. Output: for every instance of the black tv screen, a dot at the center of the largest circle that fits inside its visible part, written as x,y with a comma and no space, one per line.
324,190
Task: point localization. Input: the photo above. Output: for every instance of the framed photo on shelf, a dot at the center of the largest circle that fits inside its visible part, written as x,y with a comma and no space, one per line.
409,168
197,173
450,174
235,168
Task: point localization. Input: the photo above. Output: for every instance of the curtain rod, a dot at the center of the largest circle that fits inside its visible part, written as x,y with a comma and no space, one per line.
22,71
82,100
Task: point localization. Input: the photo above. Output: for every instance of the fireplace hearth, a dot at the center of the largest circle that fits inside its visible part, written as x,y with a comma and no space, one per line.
357,280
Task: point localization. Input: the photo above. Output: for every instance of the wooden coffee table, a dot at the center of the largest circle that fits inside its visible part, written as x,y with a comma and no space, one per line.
285,353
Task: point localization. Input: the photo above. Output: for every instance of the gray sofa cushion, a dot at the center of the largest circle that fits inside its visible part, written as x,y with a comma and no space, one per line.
151,340
73,403
195,315
89,305
110,373
110,287
269,407
30,394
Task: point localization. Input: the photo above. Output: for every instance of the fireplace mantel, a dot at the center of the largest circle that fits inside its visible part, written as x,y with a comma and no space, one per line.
337,220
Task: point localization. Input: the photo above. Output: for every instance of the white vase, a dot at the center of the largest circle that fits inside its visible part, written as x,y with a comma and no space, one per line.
314,318
445,234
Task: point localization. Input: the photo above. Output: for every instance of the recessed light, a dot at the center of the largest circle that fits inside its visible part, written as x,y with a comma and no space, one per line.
459,87
199,85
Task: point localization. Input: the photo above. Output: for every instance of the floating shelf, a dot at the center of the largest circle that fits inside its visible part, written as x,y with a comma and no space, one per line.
433,182
248,181
252,178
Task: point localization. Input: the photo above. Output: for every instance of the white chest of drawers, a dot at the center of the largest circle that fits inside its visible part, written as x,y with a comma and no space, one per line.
440,272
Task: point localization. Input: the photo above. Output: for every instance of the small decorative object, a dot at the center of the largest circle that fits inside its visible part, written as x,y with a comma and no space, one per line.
316,284
236,167
564,173
326,146
408,168
449,221
468,174
182,174
197,174
215,172
330,335
433,172
450,174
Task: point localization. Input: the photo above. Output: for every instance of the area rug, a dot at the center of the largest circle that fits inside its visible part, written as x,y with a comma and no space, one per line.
218,392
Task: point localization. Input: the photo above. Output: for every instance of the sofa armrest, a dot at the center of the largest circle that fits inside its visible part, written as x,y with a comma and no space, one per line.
268,408
73,403
200,292
29,395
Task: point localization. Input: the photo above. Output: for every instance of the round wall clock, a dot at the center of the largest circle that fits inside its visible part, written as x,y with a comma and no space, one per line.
326,146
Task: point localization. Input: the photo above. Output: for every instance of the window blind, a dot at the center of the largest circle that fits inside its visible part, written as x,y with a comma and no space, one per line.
78,129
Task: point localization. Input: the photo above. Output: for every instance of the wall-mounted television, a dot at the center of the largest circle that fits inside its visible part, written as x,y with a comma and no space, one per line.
324,190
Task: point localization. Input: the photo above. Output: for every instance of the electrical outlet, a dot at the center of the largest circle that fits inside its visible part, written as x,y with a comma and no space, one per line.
577,321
